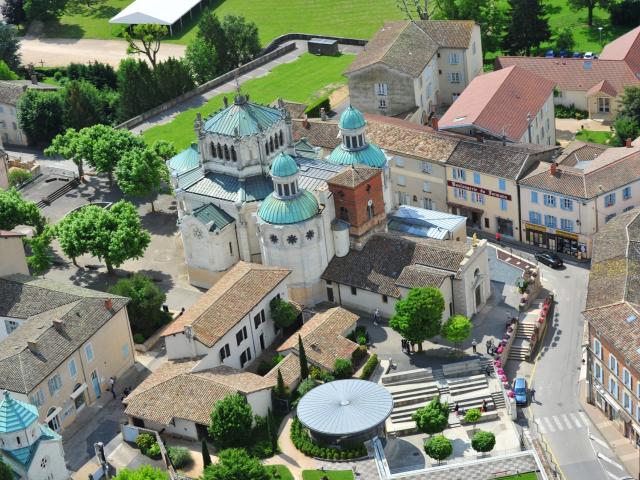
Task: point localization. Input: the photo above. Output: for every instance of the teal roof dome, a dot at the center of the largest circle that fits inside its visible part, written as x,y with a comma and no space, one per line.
371,156
243,118
283,166
185,160
286,211
351,119
15,415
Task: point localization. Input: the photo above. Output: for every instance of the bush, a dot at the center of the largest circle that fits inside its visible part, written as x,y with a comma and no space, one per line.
231,422
265,367
320,375
18,176
306,386
138,338
369,367
284,314
342,368
360,353
483,441
262,449
180,456
472,415
433,417
358,333
570,112
144,441
313,110
153,451
301,440
438,447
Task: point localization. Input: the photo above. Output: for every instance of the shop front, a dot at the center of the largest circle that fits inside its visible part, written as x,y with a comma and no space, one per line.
474,215
504,226
555,240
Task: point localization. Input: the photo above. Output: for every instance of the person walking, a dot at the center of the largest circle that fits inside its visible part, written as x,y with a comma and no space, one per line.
533,394
112,386
474,345
376,316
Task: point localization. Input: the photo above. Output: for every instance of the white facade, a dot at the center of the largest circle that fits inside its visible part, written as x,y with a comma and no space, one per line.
542,125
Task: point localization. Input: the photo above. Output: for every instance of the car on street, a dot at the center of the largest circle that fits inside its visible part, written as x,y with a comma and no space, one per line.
577,55
520,391
588,55
549,259
549,54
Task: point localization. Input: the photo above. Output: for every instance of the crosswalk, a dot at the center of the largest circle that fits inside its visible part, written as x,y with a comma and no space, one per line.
562,422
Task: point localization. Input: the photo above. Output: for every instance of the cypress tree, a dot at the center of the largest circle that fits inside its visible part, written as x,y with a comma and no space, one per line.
272,432
304,366
281,390
206,458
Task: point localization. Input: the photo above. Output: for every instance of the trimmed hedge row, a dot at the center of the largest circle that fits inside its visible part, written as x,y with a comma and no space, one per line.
303,442
369,367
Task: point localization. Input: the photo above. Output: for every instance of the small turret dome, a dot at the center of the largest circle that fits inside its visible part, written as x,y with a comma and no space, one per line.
283,166
15,415
351,119
287,211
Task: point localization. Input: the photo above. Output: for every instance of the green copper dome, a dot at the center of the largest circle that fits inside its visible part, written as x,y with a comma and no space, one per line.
283,166
371,155
243,118
15,415
351,119
285,211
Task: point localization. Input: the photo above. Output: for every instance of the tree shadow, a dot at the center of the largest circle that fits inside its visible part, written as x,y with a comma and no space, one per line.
160,223
163,280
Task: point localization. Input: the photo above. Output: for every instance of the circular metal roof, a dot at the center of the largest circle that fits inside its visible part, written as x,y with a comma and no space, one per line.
345,407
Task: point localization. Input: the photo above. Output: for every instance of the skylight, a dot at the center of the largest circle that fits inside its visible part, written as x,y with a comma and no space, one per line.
460,118
631,318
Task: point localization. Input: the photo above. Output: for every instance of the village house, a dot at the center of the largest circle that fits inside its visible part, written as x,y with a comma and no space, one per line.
409,68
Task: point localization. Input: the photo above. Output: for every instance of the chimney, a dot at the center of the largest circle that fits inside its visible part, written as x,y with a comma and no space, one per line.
323,114
554,168
434,122
34,79
33,346
479,138
58,324
504,140
225,100
627,143
108,304
305,122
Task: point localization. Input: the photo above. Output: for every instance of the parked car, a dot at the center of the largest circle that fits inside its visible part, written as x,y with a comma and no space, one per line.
563,53
577,55
550,259
588,55
549,54
520,391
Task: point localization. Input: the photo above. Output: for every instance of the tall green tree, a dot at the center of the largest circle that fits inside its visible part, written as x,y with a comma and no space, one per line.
13,11
201,57
625,128
173,78
578,5
114,235
419,316
9,46
272,430
630,103
433,417
231,421
44,9
40,115
14,211
145,39
206,457
41,253
85,105
66,145
145,308
235,464
438,447
564,39
281,389
304,364
141,173
528,26
6,473
101,75
283,313
137,87
457,329
164,149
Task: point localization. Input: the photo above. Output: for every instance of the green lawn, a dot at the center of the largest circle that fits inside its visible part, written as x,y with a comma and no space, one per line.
522,476
283,472
347,18
331,475
301,81
594,137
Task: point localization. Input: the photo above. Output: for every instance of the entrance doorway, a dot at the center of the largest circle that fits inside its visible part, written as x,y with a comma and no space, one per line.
330,294
475,220
478,297
96,383
261,341
54,422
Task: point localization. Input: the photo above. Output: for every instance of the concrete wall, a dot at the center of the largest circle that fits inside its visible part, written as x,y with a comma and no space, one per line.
55,469
12,256
572,97
260,402
592,107
400,90
363,300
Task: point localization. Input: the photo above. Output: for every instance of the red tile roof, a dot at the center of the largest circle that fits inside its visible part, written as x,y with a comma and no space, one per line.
605,87
498,102
575,74
627,48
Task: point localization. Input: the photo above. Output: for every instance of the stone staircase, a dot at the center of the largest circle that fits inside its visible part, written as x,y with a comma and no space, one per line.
525,330
521,346
70,185
498,400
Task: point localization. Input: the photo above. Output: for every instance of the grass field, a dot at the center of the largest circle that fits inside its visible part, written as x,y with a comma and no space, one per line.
331,475
348,18
522,476
283,473
301,81
594,137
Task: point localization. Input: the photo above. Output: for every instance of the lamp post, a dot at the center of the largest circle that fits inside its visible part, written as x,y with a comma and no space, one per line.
600,30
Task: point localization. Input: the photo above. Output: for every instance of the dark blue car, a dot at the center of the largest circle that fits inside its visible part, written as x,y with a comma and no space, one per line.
520,390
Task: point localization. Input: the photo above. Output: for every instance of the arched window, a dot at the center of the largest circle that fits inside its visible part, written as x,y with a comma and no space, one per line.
348,139
281,138
219,151
293,188
354,141
276,137
226,152
213,150
233,153
370,211
361,139
266,147
271,144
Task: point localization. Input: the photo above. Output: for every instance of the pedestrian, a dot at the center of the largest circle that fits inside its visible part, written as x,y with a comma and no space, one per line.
498,237
488,370
376,316
484,405
112,386
533,394
474,345
456,408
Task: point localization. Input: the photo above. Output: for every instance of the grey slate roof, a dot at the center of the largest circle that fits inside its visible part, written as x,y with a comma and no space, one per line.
39,302
210,213
12,90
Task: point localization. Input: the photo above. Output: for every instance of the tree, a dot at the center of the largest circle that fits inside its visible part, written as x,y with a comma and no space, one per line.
6,73
304,365
415,9
493,23
206,458
145,308
306,386
419,316
281,389
9,46
145,472
201,58
457,329
6,473
283,313
528,26
342,368
101,75
272,431
41,253
473,416
44,9
114,235
242,42
85,105
173,78
13,11
141,173
235,464
625,128
433,417
14,211
18,176
137,87
66,145
630,104
578,5
438,447
145,39
164,149
483,441
564,39
231,421
624,13
40,114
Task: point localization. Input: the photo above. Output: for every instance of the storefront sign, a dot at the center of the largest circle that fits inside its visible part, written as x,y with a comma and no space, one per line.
570,236
532,226
483,191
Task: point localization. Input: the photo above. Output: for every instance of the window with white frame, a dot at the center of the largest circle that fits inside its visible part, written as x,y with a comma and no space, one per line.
426,167
566,224
626,378
460,193
626,402
381,89
613,388
566,204
477,198
610,199
550,221
604,105
426,186
88,351
399,162
401,180
38,398
454,58
55,384
382,103
549,200
613,364
428,204
453,77
597,348
535,218
598,372
503,204
459,174
73,370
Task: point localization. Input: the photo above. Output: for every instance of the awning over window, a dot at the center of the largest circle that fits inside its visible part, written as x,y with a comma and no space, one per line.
79,391
53,414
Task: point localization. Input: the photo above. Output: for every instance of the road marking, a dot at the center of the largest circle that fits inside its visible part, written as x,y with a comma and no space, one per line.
558,423
584,418
574,417
541,427
549,423
566,421
612,475
609,461
602,443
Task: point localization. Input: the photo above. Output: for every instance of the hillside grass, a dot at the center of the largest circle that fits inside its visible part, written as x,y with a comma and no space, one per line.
303,80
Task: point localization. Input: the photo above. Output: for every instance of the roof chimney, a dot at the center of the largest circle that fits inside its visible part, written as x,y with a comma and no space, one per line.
58,324
108,304
554,168
33,346
627,143
434,122
225,100
479,138
305,122
323,114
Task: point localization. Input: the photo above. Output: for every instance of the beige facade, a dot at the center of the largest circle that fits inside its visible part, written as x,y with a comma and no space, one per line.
12,258
4,173
598,106
10,130
418,182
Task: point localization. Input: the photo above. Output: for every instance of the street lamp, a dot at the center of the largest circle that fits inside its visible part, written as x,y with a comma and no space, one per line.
600,29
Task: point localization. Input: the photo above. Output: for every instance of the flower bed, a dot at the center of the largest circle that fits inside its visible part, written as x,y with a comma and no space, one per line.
302,441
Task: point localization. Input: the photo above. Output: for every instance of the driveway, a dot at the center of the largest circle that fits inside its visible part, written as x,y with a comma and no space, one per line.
56,52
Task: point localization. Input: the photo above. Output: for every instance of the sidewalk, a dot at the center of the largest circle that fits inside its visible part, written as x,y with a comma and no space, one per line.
623,447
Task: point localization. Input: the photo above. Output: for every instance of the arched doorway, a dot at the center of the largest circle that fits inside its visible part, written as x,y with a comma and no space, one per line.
54,420
477,281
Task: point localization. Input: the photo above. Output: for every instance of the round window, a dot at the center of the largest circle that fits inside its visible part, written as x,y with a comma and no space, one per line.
274,239
292,239
310,234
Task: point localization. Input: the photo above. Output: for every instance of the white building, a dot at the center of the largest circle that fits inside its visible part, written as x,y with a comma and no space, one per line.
31,449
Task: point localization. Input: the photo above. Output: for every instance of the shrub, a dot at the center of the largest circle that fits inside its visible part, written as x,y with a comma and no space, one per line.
360,353
320,375
306,386
138,338
362,340
262,449
266,366
301,440
313,110
18,176
231,422
284,314
472,415
438,447
153,451
342,368
483,441
570,112
433,417
369,367
144,441
180,456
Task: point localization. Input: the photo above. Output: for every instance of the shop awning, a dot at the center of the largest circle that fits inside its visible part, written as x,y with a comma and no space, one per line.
466,207
79,391
612,403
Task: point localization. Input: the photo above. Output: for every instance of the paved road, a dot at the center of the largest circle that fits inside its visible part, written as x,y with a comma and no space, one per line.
55,52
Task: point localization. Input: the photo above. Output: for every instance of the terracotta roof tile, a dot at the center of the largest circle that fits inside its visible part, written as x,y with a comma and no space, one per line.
317,132
352,177
603,87
289,367
625,47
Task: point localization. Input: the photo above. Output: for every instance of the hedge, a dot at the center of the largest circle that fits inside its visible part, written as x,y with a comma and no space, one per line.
313,110
303,442
369,367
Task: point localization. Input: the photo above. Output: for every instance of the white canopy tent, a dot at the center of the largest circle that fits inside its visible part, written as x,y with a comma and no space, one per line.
157,12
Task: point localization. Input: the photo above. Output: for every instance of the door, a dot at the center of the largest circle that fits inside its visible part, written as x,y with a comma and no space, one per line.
552,243
261,341
330,294
54,423
96,383
478,297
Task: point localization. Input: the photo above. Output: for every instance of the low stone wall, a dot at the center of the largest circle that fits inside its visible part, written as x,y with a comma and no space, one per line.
458,369
287,37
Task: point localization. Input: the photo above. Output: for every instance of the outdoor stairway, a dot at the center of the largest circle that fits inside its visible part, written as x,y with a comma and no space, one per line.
487,362
409,394
519,349
525,330
463,385
70,185
498,400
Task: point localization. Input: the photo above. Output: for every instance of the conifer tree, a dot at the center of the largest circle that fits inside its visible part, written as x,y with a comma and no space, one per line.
304,366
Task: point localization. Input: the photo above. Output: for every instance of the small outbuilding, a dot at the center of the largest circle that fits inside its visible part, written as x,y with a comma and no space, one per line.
323,46
345,412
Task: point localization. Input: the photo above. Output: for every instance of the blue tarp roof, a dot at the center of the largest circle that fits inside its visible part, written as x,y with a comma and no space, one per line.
425,223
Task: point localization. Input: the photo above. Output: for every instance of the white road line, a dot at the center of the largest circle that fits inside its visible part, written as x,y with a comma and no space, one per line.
602,443
612,475
574,417
566,421
541,427
549,424
584,418
609,461
558,423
